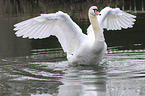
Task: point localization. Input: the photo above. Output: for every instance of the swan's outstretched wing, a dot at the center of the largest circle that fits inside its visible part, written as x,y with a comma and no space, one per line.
59,24
115,19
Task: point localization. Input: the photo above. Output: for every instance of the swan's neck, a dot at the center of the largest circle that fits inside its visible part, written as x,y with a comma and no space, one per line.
98,32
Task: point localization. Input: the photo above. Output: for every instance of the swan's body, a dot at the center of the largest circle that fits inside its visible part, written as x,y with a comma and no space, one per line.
80,48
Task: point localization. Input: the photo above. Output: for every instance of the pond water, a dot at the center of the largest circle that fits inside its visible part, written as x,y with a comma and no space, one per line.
46,72
40,67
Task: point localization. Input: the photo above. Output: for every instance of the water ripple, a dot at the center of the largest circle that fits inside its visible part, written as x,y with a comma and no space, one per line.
41,73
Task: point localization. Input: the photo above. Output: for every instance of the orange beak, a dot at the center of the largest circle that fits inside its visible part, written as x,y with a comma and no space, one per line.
96,12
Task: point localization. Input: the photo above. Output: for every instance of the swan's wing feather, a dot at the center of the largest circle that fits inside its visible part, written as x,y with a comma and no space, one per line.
115,19
58,24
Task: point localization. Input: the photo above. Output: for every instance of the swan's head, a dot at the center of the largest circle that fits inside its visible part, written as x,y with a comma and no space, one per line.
93,11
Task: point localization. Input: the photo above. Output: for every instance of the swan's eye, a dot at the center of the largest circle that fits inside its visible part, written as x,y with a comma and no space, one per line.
95,10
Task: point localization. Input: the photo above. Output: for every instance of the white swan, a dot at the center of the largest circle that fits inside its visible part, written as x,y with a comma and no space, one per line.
80,48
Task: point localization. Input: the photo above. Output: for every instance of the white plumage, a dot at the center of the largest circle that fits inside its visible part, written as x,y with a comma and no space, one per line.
80,48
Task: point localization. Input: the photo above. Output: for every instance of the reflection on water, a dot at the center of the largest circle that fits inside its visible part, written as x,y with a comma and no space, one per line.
47,73
83,81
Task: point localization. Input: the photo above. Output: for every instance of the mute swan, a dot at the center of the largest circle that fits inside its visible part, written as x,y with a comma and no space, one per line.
80,48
